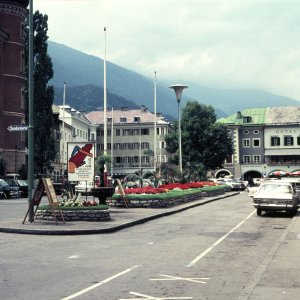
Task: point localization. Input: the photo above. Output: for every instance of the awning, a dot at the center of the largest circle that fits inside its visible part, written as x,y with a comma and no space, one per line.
280,151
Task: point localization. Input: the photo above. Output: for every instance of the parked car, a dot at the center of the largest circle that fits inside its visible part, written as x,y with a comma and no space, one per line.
84,187
12,176
21,184
276,196
7,191
235,184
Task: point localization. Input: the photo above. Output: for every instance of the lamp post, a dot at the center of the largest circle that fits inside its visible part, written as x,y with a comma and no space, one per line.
178,88
30,115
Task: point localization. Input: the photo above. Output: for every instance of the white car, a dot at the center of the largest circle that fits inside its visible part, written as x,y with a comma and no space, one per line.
276,196
84,187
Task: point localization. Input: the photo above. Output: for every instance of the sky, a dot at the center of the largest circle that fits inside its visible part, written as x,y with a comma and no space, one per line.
232,44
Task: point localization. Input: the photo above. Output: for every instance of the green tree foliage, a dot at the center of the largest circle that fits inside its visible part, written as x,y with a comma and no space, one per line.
44,144
205,143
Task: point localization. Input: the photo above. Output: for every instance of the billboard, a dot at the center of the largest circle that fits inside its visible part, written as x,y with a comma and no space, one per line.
81,161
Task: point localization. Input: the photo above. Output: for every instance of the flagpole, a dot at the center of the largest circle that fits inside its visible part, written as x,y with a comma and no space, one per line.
105,107
155,124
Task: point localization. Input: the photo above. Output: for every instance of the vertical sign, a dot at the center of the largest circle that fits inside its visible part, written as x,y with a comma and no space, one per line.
81,161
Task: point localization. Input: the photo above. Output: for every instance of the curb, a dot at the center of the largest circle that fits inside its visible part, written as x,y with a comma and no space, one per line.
113,228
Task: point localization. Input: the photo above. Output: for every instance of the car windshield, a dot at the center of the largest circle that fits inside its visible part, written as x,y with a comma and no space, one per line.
3,183
22,182
276,188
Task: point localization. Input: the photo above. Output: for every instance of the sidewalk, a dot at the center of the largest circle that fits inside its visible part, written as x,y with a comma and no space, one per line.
120,218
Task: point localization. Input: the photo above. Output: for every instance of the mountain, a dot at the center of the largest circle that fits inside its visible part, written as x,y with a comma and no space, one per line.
79,69
230,101
83,75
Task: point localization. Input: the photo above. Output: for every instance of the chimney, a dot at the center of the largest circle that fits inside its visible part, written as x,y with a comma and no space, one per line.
238,115
124,108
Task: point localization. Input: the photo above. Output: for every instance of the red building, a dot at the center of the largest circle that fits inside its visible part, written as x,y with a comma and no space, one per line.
12,81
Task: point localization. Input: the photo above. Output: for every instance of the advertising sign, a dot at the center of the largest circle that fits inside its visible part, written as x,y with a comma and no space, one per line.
81,161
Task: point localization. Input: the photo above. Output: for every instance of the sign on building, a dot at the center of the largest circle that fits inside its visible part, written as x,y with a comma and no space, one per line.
81,161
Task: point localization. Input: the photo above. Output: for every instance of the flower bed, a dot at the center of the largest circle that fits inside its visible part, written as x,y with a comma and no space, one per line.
168,197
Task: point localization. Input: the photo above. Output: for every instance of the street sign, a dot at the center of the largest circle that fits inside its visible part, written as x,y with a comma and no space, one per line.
17,128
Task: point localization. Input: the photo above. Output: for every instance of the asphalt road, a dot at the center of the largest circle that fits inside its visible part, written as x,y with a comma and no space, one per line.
212,251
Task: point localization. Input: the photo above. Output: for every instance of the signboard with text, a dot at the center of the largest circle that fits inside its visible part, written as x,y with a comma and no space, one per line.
81,161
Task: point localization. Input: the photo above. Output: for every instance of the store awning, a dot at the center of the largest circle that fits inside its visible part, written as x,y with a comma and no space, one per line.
280,152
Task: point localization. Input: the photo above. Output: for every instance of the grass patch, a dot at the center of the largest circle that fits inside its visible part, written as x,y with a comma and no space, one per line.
97,207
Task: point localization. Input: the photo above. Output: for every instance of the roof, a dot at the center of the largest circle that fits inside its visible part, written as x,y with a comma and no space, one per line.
286,114
261,116
257,117
97,117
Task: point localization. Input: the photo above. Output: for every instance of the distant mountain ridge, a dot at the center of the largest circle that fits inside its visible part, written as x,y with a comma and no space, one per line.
83,74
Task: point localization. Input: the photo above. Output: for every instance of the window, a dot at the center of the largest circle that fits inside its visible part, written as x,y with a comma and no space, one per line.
229,159
23,99
298,140
275,141
123,120
136,119
246,159
246,143
109,119
145,131
288,141
246,131
118,132
22,67
247,119
256,131
145,145
256,159
145,159
256,142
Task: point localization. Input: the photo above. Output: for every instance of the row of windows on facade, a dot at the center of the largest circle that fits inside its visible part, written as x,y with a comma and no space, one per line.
246,131
132,131
136,159
131,146
275,141
100,132
130,159
246,159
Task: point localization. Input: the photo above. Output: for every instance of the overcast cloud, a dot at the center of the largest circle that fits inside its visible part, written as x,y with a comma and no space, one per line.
217,43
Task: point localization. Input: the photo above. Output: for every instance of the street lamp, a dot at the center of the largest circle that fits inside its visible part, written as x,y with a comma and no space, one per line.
178,88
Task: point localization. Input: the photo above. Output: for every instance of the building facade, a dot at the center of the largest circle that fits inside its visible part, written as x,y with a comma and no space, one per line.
130,139
265,140
12,81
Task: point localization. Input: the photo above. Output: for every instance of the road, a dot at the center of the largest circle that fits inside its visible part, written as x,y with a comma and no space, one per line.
214,251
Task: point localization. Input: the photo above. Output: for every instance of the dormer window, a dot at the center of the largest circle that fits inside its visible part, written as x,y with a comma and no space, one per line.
136,119
247,119
123,120
109,119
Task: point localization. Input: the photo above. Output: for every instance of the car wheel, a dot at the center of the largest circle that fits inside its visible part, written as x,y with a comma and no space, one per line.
259,211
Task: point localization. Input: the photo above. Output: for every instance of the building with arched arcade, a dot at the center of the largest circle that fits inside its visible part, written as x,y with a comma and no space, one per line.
265,140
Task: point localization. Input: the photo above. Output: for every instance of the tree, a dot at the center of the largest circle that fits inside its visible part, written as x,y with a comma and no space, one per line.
44,144
205,143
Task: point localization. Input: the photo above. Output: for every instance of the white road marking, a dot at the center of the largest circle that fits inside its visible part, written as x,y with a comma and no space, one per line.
100,283
143,296
73,256
201,255
193,279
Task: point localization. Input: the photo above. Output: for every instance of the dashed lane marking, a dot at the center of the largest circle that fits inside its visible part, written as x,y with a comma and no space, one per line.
170,278
100,283
143,296
220,240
